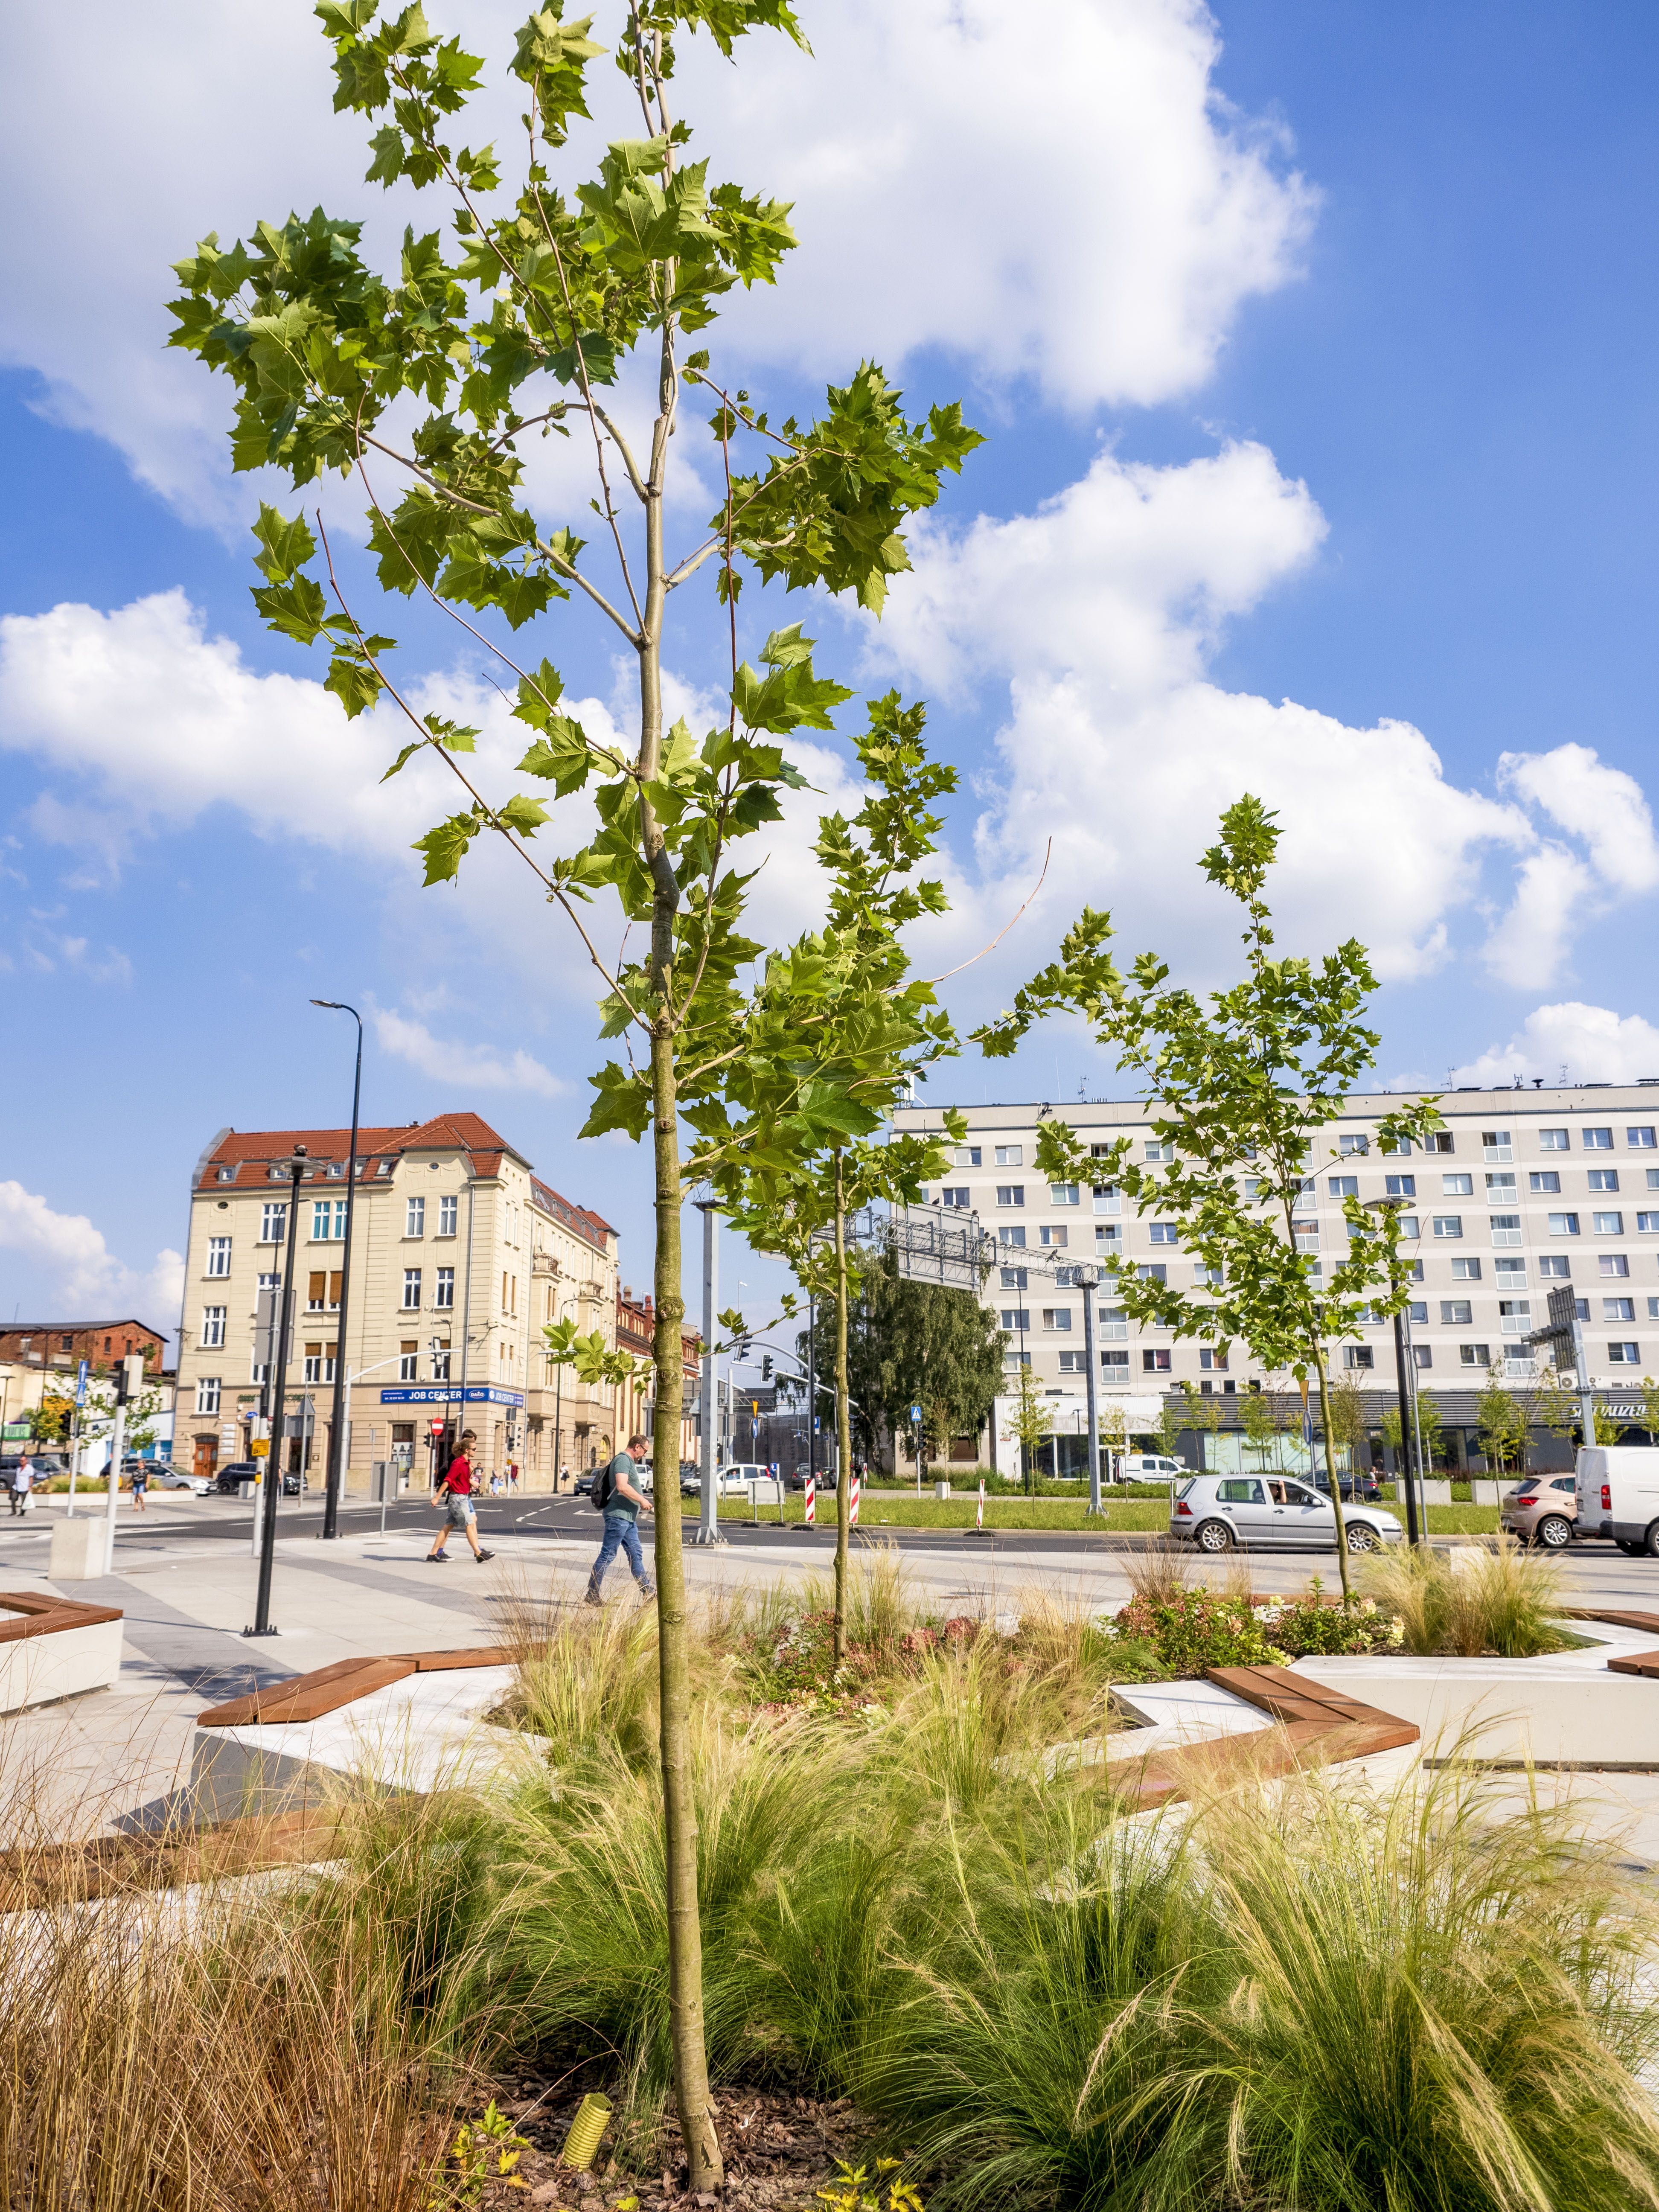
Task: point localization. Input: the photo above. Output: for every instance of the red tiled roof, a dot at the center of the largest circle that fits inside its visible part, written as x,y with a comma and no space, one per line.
469,1133
581,1220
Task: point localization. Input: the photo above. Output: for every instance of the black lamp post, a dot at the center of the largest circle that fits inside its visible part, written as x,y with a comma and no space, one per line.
1399,1205
277,1398
336,1434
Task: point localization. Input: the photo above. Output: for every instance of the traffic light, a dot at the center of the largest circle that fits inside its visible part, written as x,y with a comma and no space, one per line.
766,1367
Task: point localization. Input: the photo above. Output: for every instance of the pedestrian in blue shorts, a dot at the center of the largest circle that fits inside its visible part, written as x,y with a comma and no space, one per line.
621,1504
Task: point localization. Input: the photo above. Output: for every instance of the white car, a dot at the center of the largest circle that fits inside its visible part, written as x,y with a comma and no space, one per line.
1218,1512
177,1478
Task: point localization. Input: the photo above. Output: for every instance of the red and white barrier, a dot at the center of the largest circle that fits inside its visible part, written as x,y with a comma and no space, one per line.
853,1501
812,1501
978,1515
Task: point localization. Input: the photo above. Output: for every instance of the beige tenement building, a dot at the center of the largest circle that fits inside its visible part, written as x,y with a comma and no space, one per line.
458,1257
1522,1193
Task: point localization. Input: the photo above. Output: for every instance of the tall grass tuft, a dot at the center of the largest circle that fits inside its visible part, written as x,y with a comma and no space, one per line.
1504,1600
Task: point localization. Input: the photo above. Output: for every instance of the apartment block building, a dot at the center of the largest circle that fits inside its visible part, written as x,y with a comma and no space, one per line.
1522,1193
459,1254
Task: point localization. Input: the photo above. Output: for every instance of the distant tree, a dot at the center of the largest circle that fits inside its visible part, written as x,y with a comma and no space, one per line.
1351,1420
1261,1426
49,1422
1428,1425
1030,1423
1500,1424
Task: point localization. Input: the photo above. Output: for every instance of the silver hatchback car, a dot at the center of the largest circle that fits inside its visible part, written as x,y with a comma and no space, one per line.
1219,1511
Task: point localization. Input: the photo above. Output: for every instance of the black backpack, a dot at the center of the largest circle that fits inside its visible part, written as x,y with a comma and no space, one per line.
603,1489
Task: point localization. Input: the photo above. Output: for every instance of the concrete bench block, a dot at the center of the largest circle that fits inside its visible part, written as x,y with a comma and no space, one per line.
80,1549
34,1670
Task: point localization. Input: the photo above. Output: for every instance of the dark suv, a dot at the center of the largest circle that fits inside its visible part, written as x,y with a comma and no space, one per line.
227,1480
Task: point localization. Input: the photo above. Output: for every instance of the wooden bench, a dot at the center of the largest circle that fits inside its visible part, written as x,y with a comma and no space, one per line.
54,1647
325,1689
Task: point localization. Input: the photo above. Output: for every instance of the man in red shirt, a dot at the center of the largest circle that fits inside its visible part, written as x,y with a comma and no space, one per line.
454,1496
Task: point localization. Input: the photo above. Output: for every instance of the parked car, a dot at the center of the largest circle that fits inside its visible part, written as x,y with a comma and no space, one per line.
229,1479
1542,1509
1218,1512
179,1478
1151,1467
1366,1484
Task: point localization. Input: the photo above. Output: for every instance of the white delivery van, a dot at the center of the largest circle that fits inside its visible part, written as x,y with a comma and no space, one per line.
1151,1466
1619,1495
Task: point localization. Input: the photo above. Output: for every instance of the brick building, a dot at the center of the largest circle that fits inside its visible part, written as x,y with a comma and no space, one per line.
66,1344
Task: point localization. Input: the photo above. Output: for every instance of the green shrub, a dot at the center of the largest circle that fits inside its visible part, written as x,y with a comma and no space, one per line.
1501,1599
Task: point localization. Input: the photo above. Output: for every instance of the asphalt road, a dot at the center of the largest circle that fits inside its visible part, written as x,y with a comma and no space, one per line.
1597,1571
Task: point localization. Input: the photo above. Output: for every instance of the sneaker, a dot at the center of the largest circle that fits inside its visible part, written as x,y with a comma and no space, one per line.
436,1559
592,1598
648,1591
481,1555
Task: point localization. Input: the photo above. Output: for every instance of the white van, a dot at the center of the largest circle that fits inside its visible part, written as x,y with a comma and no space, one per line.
1151,1467
1618,1489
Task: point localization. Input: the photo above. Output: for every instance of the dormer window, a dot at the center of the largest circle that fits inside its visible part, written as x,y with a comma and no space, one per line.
336,1169
226,1174
276,1174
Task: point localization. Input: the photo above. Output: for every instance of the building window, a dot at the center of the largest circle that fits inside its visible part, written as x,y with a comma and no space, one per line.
1554,1267
1496,1146
1514,1315
1057,1319
1306,1235
1449,1224
1500,1189
213,1326
1106,1197
1016,1358
958,1196
1505,1228
968,1156
441,1365
1016,1320
1609,1225
1544,1182
1109,1236
1563,1225
1603,1178
218,1260
1440,1140
207,1393
1555,1141
327,1219
1014,1278
448,1208
1152,1272
412,1288
1115,1365
409,1362
1357,1355
1640,1140
1624,1355
1618,1309
1458,1185
1010,1193
1398,1149
1475,1355
1647,1224
414,1217
1011,1156
1511,1274
1422,1354
1212,1278
1211,1360
1073,1363
1410,1228
1400,1186
273,1221
258,1371
1014,1236
1455,1313
1348,1185
1155,1363
313,1363
1114,1322
1612,1263
1063,1194
1346,1145
1163,1233
444,1295
1055,1239
1159,1148
1596,1140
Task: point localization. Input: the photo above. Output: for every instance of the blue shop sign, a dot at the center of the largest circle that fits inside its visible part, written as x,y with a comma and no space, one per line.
439,1394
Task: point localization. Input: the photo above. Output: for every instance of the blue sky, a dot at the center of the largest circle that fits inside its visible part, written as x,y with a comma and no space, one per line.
1313,343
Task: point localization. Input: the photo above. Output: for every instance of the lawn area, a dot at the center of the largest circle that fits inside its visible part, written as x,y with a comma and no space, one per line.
897,1509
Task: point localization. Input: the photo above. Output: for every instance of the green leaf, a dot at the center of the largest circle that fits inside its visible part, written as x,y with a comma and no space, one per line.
285,546
296,609
560,756
523,814
356,685
623,1102
445,848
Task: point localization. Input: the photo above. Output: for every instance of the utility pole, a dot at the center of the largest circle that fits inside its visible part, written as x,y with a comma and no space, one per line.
337,1437
128,1384
1085,1278
1412,1536
708,1519
275,1398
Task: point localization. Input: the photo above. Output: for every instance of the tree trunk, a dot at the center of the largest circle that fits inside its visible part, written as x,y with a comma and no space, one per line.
843,1423
1330,1470
703,2150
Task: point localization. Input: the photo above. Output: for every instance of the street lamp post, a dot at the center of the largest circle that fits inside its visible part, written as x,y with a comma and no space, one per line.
1399,1205
275,1397
342,1403
1085,1278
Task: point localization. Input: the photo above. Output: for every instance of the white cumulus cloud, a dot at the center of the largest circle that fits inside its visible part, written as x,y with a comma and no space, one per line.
1591,1044
467,1066
69,1253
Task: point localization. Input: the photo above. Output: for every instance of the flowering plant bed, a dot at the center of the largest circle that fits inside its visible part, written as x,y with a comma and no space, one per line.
1191,1631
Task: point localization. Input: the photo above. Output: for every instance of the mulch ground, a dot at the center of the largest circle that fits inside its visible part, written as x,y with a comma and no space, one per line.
780,2150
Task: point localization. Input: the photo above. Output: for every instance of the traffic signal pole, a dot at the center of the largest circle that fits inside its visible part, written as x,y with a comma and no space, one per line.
277,1397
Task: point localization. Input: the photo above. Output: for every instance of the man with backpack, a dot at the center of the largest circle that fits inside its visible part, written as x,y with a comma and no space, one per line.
615,1496
453,1497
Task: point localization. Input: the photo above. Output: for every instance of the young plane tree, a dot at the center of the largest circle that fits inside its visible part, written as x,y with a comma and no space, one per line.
1247,1086
432,382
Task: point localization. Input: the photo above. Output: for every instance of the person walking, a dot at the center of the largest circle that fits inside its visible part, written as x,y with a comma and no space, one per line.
454,1496
23,1483
140,1484
621,1504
